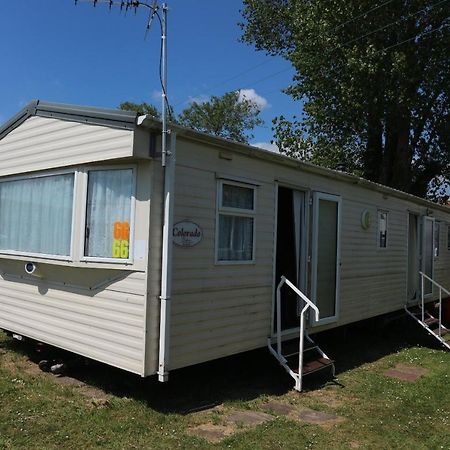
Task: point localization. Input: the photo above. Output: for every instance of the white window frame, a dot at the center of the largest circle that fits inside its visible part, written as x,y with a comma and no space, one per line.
379,212
84,175
422,252
51,173
79,207
437,239
240,212
317,196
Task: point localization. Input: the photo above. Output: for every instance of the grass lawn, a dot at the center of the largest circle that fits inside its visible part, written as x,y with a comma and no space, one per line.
100,407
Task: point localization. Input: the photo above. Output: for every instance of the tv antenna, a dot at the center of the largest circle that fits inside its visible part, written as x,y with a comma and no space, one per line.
153,8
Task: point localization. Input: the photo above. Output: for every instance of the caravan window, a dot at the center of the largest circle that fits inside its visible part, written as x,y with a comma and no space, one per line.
236,222
36,215
108,213
382,229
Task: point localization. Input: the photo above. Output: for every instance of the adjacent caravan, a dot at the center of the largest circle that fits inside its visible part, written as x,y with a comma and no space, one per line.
228,248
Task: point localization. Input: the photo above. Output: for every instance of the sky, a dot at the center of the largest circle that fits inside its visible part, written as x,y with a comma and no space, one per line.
55,51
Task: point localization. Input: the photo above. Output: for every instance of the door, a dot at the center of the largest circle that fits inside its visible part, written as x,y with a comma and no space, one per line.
427,265
413,257
291,251
326,256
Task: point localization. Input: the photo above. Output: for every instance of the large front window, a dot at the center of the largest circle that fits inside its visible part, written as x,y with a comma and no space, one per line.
80,214
36,215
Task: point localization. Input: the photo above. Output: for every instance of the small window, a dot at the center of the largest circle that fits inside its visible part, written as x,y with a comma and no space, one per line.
437,232
382,229
108,213
236,222
36,215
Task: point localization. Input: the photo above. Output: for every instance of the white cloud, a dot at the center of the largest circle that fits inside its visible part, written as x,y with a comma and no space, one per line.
156,95
198,99
250,94
267,146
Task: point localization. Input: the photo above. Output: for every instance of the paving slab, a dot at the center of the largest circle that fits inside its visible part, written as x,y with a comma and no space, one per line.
405,372
301,414
247,418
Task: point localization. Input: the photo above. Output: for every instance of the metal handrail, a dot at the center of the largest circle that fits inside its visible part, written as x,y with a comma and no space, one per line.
308,304
441,289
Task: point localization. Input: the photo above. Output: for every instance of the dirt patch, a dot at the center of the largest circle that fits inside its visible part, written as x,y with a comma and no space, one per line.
301,414
279,408
211,432
328,397
317,417
9,364
406,372
217,424
98,397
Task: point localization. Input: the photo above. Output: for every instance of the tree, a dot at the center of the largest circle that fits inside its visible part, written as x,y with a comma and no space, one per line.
375,81
141,108
229,116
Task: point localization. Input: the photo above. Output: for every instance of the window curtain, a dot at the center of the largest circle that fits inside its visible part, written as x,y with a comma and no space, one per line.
235,238
237,197
109,201
36,215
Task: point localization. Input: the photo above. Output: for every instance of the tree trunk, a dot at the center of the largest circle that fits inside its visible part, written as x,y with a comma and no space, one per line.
373,156
398,154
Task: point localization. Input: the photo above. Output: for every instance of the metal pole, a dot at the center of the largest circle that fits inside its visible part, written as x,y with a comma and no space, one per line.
164,85
440,311
300,350
423,298
279,316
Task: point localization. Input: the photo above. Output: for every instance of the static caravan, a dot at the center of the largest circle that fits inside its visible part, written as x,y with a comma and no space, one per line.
225,248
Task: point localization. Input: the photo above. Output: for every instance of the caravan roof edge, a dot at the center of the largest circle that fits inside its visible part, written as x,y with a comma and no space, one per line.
114,118
249,150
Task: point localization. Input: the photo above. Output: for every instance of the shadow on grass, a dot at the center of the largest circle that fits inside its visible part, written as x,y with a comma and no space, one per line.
246,376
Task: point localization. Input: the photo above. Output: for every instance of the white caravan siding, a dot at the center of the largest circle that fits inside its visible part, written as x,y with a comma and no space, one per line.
94,309
442,262
41,143
218,310
67,310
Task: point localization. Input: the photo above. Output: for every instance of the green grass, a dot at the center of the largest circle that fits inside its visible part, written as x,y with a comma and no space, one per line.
39,412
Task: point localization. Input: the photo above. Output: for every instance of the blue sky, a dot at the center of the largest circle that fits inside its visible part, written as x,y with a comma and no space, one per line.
56,51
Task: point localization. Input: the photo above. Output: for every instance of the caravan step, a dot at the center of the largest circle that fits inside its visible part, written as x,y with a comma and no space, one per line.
315,365
444,331
305,350
431,320
291,348
431,324
418,313
318,364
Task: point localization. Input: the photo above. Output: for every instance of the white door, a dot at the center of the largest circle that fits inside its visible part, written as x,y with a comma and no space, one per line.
427,253
325,268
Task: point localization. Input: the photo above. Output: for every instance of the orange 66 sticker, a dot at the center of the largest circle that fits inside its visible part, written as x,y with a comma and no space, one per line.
121,234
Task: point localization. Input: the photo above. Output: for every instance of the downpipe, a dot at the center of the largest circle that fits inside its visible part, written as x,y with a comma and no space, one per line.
166,262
